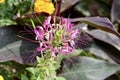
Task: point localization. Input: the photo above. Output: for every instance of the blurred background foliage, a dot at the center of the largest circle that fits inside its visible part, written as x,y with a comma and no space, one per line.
94,7
10,9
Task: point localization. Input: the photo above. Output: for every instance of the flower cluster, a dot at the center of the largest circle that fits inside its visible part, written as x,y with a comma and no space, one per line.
44,6
56,37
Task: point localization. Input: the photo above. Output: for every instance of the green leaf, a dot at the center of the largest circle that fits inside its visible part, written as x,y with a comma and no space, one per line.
14,8
5,73
76,52
6,22
82,7
60,78
15,65
11,69
87,68
26,20
24,77
31,69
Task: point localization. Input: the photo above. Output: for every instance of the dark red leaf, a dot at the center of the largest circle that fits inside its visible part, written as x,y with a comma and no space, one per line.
115,12
100,23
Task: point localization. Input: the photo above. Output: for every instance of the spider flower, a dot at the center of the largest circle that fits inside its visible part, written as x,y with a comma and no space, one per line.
57,37
44,6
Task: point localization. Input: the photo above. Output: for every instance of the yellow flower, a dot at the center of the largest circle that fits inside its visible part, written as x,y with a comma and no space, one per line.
44,6
1,1
1,78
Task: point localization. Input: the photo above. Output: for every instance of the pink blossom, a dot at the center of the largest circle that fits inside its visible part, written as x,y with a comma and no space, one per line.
53,51
73,33
66,49
56,37
42,46
47,22
39,33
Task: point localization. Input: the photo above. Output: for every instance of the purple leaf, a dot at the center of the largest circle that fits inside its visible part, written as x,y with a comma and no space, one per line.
67,3
12,47
86,68
106,43
106,37
115,12
100,23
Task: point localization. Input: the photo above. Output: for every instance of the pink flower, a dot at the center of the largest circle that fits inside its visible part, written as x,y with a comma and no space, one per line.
42,46
47,22
53,51
39,33
66,49
56,37
73,33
